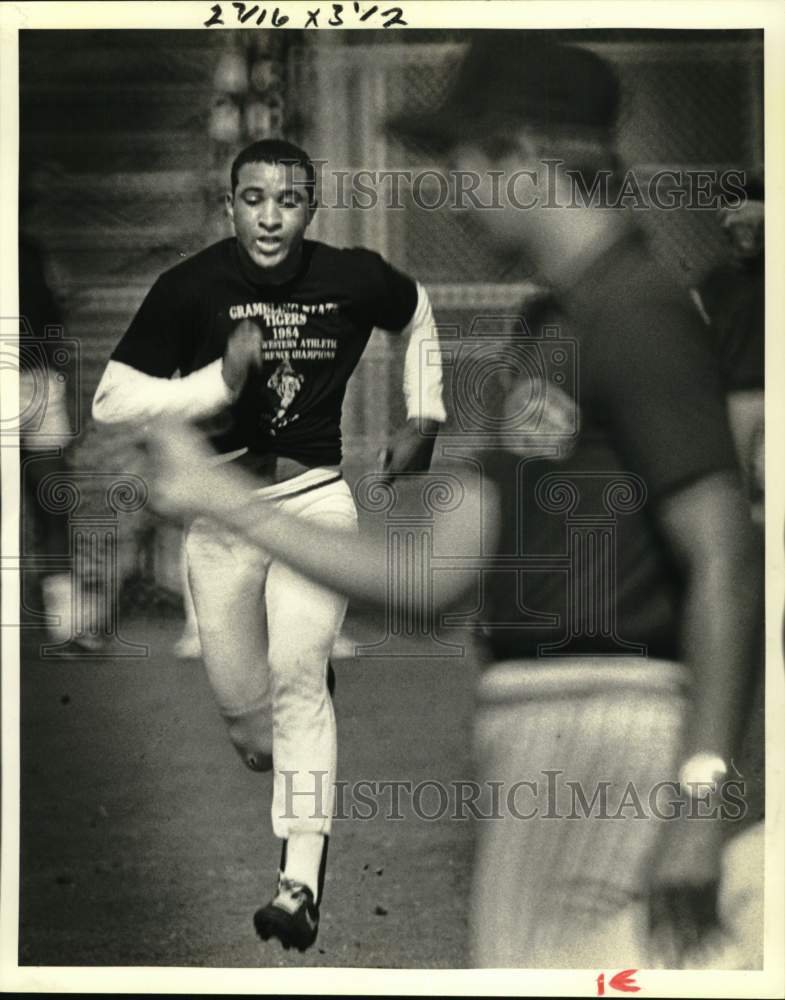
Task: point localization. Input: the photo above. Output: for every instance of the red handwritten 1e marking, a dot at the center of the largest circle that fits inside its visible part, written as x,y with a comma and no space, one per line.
622,982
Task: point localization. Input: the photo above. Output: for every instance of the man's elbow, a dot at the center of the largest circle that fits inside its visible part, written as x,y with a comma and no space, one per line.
103,413
736,559
749,562
742,546
107,410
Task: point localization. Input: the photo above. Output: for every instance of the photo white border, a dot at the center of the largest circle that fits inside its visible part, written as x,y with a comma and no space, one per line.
705,14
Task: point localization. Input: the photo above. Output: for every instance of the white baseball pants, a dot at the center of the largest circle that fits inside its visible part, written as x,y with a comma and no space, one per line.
266,634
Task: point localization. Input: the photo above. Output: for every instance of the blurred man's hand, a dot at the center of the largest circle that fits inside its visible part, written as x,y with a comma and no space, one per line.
243,352
411,449
683,893
186,477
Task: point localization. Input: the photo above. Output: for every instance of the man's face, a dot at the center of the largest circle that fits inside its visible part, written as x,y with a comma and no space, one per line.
270,211
513,183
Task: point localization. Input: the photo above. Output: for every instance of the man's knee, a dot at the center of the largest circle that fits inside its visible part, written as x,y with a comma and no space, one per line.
251,734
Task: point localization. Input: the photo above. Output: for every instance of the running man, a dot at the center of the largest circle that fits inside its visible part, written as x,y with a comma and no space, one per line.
265,329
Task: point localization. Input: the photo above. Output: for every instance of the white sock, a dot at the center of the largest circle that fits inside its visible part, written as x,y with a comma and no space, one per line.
304,859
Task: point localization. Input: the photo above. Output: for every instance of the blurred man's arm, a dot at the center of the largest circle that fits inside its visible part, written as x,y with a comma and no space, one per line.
708,528
667,401
746,414
186,483
666,398
360,565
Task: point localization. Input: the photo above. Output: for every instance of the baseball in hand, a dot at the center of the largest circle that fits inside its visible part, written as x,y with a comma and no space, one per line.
243,352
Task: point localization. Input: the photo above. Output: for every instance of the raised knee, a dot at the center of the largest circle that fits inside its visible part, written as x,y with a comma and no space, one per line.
251,736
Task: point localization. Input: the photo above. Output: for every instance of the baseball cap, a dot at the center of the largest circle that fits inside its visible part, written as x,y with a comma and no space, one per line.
510,78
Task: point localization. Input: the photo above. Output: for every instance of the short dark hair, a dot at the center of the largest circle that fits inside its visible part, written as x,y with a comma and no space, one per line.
276,151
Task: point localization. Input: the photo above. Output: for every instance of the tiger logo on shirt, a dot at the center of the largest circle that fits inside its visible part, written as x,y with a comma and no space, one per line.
286,383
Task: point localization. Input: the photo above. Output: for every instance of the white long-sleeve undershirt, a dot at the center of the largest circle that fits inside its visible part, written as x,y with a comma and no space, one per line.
422,366
128,396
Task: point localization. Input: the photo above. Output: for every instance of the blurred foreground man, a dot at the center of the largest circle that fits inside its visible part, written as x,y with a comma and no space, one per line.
632,667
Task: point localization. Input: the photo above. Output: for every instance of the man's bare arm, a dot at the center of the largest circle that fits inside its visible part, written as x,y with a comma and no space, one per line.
708,527
186,483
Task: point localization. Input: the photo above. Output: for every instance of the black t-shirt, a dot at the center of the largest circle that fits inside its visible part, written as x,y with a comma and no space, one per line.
315,327
587,569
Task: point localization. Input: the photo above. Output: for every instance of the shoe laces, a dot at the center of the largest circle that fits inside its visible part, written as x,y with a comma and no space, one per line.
290,887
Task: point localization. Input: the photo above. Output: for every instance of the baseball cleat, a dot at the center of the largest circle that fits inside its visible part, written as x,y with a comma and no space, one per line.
292,917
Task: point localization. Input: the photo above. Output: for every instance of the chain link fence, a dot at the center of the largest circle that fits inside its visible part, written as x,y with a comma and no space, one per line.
690,100
689,103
